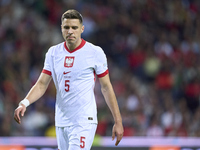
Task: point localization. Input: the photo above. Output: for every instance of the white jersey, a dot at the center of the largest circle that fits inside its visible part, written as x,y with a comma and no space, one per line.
73,73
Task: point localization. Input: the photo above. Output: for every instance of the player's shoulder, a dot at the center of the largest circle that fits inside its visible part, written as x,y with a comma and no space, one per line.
57,46
93,47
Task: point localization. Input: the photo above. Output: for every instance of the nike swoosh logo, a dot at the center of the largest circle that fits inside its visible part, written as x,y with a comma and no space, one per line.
66,72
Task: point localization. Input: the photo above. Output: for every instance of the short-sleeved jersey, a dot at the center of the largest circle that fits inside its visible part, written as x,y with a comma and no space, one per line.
73,73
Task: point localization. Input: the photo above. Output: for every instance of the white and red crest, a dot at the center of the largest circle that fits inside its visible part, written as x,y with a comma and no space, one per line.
69,61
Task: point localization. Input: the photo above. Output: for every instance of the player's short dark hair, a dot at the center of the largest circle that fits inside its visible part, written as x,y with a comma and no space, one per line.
72,14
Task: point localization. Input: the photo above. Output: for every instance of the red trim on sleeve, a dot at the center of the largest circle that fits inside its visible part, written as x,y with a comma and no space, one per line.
79,47
103,74
46,72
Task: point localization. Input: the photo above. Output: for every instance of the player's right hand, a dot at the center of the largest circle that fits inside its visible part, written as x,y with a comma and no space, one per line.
19,111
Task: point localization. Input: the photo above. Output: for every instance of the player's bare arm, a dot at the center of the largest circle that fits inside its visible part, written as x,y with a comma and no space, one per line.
111,101
34,94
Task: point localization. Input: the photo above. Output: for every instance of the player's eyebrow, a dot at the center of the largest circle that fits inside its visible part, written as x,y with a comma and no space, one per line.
75,27
67,27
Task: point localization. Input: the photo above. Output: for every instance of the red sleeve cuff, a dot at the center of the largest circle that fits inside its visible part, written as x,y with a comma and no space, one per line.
103,74
46,72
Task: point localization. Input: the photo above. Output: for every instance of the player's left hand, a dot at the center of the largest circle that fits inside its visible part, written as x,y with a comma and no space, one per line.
118,131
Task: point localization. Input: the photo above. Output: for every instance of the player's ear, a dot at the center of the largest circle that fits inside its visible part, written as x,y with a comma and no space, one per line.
82,28
61,25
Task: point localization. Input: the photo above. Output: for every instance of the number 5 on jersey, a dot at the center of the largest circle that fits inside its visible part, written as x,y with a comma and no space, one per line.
67,85
82,142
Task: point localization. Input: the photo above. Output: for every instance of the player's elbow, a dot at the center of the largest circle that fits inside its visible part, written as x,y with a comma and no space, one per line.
106,88
41,86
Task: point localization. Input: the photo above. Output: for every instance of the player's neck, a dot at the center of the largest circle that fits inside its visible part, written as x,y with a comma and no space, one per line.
72,46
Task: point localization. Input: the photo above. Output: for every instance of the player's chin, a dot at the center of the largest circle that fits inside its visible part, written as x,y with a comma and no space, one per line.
71,41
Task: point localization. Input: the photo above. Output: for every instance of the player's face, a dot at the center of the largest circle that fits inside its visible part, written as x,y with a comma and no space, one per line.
71,31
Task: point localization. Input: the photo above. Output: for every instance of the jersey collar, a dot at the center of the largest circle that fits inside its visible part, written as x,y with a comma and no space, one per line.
79,47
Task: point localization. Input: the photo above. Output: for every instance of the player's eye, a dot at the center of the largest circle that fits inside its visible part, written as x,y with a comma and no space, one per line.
75,27
66,27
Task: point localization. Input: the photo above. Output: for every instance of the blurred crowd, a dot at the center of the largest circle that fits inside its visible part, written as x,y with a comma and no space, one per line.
153,51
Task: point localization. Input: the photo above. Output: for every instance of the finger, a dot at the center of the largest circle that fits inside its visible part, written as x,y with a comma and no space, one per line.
113,135
119,137
17,119
117,142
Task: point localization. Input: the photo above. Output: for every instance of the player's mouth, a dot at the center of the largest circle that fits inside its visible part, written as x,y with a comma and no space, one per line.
70,37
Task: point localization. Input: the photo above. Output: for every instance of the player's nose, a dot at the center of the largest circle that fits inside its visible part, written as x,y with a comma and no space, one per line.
70,31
